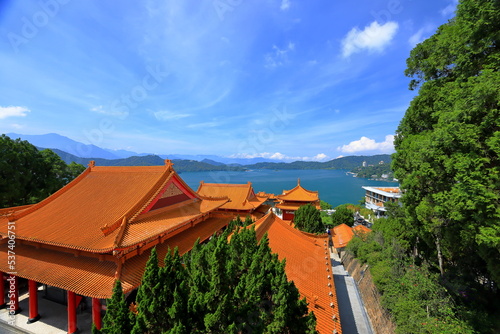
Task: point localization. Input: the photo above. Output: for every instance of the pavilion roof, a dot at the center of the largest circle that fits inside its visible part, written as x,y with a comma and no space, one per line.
104,208
308,265
343,233
241,196
299,194
341,236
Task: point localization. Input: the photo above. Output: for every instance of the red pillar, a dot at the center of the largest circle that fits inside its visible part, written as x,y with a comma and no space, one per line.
96,312
72,313
2,292
33,299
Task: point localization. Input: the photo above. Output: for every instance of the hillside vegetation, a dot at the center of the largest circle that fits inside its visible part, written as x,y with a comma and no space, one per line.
436,260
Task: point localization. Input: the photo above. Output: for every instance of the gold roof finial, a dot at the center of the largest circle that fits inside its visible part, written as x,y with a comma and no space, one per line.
168,163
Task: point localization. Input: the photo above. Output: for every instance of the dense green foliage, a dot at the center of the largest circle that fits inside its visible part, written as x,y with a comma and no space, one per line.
410,290
448,143
375,171
308,219
117,319
219,287
436,260
342,215
28,175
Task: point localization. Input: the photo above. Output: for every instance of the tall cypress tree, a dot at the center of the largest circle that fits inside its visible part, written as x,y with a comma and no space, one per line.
117,318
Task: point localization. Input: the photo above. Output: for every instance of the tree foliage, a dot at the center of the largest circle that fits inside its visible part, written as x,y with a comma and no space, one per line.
220,287
308,219
448,143
27,175
342,215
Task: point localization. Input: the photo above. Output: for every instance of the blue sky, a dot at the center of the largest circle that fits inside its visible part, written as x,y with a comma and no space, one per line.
309,80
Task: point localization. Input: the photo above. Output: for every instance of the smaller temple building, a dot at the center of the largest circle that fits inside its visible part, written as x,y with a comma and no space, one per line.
242,199
291,200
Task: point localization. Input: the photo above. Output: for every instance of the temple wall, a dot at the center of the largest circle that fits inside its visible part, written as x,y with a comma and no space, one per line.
380,319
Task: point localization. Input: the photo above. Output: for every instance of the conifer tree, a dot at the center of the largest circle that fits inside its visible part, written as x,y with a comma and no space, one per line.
117,318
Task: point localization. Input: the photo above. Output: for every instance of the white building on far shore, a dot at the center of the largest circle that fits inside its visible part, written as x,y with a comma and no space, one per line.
376,197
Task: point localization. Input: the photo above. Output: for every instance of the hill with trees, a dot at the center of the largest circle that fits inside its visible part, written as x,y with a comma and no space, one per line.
28,175
437,259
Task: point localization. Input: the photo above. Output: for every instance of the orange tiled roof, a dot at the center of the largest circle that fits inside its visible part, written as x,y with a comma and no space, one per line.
294,206
91,277
342,234
241,196
299,194
96,212
360,229
308,265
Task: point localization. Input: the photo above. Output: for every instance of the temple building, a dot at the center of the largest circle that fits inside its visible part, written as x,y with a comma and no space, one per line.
100,228
308,265
291,200
376,197
242,199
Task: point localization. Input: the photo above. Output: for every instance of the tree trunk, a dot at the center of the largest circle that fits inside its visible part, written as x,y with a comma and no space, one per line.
439,254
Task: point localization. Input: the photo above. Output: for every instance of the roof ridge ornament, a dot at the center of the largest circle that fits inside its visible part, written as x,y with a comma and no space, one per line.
91,164
168,163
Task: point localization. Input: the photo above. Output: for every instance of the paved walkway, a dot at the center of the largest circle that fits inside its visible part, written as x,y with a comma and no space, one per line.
352,311
54,319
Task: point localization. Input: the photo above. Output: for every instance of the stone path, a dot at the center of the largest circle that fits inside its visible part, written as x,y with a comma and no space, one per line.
353,316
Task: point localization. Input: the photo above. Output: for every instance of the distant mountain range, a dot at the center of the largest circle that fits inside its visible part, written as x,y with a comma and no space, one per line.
70,150
56,141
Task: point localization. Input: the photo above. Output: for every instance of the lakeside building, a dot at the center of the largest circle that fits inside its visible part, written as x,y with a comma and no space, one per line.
100,228
376,197
307,265
242,199
291,200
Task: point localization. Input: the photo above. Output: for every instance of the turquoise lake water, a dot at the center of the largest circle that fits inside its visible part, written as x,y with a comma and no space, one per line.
334,186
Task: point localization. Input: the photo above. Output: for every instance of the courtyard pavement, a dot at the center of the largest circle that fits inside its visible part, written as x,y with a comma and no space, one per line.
54,318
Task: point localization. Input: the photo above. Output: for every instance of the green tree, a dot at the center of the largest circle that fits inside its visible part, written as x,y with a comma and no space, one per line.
27,175
22,173
117,318
448,144
308,219
325,205
342,215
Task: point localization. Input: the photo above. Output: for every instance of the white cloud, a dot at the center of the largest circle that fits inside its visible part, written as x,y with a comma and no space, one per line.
278,57
165,115
285,4
280,156
374,37
367,144
450,9
12,111
110,112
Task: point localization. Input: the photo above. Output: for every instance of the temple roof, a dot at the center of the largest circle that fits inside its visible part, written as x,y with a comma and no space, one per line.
94,277
308,265
343,233
104,208
299,194
241,196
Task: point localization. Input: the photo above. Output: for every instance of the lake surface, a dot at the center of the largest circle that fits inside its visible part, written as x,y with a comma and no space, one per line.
334,186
